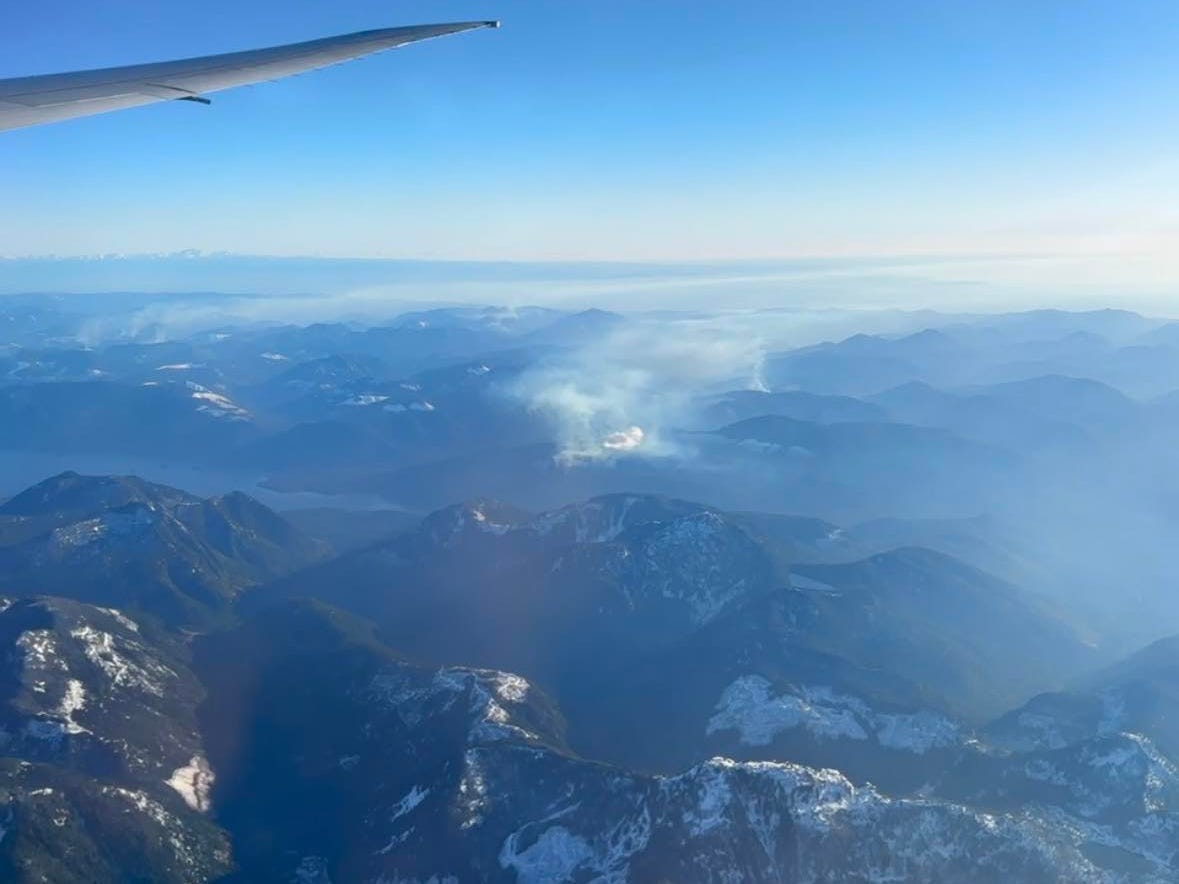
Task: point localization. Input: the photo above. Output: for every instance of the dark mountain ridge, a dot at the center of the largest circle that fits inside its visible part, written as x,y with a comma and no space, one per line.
146,548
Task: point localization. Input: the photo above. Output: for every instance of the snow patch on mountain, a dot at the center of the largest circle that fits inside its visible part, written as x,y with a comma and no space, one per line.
73,700
421,405
193,782
690,559
472,798
363,399
412,799
720,797
455,522
43,666
916,732
114,657
485,522
144,804
40,649
216,404
751,707
490,698
119,524
121,618
491,695
54,724
509,687
182,840
711,798
556,855
596,521
815,825
402,808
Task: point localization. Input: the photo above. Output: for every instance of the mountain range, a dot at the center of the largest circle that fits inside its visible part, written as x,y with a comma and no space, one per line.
533,595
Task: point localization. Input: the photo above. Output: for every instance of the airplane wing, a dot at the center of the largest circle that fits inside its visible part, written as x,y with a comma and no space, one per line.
28,101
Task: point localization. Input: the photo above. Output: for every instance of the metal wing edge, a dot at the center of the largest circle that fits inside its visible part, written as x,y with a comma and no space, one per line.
26,101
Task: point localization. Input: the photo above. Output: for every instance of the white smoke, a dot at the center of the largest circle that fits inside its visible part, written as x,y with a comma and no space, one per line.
626,393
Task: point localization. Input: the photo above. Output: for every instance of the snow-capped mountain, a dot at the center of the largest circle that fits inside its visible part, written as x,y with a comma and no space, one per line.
856,623
682,703
123,542
670,633
420,773
104,775
485,584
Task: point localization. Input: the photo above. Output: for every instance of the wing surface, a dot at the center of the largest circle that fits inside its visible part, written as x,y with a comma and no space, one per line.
29,101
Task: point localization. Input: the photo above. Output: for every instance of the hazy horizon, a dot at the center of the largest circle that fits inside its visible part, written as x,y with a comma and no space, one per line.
358,286
605,131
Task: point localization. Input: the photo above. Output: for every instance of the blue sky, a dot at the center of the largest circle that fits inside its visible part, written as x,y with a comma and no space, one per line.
642,130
